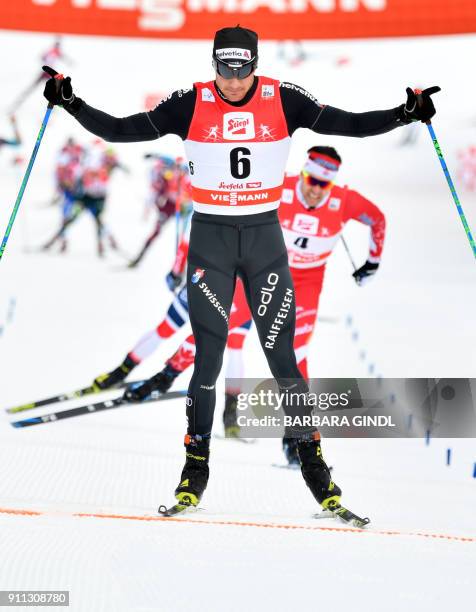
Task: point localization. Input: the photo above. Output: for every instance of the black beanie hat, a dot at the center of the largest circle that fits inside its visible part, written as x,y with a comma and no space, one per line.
235,45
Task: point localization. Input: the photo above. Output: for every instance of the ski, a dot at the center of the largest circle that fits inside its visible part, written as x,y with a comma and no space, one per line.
62,397
90,408
345,515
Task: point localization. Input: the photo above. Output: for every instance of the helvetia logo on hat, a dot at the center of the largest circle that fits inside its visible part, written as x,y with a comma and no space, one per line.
197,275
238,126
233,54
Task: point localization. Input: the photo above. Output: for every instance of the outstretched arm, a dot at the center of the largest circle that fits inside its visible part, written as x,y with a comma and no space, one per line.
135,128
301,109
172,116
337,122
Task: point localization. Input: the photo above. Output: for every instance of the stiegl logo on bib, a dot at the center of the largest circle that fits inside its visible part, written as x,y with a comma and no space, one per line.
238,126
306,224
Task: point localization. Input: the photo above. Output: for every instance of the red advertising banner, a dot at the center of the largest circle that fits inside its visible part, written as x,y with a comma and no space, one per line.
272,19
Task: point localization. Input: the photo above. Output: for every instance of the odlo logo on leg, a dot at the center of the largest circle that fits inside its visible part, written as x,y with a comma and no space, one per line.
267,293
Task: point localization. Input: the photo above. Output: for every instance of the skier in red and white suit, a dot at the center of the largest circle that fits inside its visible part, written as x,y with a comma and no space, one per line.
312,214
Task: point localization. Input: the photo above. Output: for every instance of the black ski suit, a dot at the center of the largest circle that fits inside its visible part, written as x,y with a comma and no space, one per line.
224,247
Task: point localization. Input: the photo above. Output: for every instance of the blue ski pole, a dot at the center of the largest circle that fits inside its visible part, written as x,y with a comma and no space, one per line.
459,208
25,180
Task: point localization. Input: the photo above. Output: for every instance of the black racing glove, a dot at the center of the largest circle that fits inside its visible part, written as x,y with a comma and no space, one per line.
419,105
58,89
363,274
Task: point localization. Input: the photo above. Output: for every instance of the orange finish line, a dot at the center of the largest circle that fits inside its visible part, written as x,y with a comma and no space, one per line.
433,536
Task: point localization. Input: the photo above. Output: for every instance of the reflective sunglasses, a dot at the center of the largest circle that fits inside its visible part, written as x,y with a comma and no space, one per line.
312,181
238,72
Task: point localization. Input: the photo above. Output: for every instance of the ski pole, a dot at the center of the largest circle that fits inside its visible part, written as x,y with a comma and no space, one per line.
348,253
177,224
25,179
178,204
459,208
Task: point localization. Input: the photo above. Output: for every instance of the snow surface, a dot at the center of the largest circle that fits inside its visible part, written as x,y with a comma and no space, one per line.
66,319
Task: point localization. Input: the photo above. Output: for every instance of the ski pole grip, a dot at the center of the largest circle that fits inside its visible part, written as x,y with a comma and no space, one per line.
420,101
51,72
54,75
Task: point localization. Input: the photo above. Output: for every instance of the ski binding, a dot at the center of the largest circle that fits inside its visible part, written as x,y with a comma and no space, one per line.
178,508
345,515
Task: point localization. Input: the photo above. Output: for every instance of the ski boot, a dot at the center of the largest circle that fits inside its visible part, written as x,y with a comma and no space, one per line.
290,450
316,472
194,479
159,383
232,429
318,478
113,378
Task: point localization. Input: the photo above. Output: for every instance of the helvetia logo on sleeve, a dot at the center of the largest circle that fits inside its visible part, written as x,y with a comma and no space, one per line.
197,275
238,126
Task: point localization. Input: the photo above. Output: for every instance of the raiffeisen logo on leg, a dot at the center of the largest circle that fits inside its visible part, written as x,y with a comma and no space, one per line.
197,275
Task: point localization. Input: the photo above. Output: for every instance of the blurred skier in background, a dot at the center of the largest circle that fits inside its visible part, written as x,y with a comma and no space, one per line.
52,57
297,55
16,140
83,177
170,190
67,179
467,167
